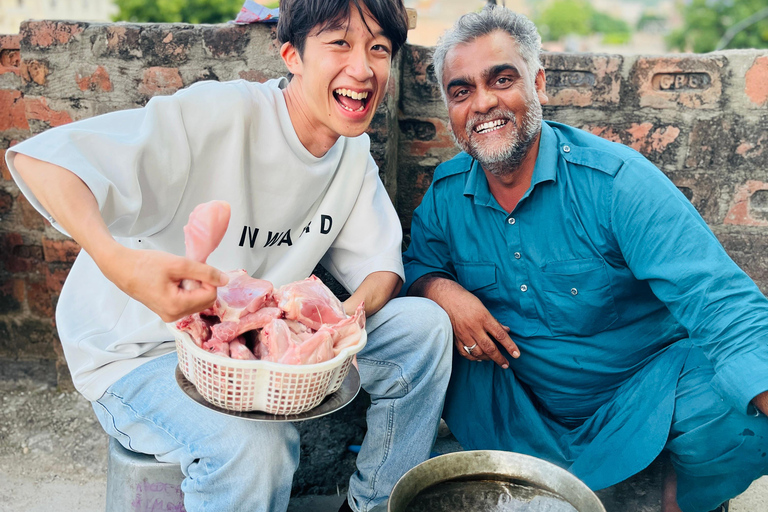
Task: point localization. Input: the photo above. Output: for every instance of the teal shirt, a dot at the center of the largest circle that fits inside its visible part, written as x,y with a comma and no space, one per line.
601,267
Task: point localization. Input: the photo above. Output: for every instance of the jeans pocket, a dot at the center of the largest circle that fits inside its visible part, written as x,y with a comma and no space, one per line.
577,297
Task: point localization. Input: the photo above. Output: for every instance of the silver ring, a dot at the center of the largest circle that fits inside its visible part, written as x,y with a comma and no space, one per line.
470,349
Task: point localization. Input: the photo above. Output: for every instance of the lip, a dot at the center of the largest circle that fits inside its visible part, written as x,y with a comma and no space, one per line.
506,122
357,115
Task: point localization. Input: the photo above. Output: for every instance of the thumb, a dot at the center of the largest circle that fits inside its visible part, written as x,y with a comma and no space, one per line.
206,274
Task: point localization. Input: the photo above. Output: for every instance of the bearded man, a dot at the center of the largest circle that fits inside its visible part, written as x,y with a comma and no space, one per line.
597,320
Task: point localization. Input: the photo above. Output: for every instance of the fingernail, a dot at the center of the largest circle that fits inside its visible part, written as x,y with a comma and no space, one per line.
515,354
223,279
505,366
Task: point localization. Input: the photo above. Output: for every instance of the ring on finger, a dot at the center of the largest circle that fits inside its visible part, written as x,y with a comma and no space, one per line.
470,349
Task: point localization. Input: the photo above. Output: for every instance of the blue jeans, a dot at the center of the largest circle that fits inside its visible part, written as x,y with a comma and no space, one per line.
235,464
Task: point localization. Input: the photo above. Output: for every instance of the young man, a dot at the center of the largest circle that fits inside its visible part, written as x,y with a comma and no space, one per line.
290,158
598,320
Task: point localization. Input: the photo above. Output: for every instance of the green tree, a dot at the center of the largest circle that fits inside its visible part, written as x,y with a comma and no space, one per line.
171,11
706,22
577,17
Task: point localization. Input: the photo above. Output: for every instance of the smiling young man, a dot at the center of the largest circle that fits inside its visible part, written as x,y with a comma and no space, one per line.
598,321
292,160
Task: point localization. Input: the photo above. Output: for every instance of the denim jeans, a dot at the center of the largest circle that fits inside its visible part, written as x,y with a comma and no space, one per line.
234,464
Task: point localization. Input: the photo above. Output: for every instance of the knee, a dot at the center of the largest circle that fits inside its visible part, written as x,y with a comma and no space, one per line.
248,445
430,323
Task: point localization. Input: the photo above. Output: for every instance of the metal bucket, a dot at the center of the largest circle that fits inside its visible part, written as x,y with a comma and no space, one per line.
487,480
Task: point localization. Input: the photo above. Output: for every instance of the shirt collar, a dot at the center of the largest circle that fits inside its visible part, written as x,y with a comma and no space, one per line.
545,169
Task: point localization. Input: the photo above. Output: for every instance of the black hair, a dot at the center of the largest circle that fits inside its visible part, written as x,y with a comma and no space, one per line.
298,18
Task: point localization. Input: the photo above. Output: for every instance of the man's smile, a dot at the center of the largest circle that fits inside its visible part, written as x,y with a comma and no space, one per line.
353,101
490,126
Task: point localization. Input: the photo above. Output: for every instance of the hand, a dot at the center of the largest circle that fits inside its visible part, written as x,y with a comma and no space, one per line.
472,323
154,278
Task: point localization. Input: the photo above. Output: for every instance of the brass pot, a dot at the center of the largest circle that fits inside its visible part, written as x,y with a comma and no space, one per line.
467,469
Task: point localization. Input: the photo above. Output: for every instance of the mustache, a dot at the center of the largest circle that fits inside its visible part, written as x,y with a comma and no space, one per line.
498,113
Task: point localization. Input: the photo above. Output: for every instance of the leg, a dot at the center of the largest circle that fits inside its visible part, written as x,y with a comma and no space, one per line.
717,452
405,368
229,463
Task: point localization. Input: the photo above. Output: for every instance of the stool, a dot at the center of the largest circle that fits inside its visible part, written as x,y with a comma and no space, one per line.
139,482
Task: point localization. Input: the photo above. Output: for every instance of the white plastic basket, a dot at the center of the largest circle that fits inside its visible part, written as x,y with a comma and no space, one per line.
274,388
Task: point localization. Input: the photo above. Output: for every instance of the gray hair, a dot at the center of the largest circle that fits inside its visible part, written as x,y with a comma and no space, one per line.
490,19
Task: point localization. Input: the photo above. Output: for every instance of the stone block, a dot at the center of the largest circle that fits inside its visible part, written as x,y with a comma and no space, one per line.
46,34
672,82
122,41
39,299
11,295
60,251
36,109
94,81
656,140
160,81
226,41
582,80
746,246
749,205
6,201
168,45
727,143
55,277
10,55
18,256
703,190
36,71
756,82
12,116
421,95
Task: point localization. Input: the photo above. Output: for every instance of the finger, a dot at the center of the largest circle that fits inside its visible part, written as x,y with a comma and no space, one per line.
197,271
463,352
500,333
489,348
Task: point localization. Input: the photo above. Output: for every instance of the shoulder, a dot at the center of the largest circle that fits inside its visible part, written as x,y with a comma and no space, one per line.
581,148
457,165
231,94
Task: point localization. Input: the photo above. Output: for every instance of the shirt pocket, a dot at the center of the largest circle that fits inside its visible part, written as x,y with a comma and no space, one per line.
577,297
477,277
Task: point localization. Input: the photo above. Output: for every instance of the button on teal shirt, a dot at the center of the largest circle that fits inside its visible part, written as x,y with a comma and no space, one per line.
602,267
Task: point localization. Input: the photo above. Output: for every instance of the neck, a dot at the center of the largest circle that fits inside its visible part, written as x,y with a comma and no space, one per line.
314,136
509,181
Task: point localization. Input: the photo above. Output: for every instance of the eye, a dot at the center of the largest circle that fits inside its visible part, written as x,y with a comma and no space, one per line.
504,80
381,48
460,94
339,42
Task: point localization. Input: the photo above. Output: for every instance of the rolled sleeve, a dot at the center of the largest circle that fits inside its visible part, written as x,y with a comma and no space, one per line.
741,378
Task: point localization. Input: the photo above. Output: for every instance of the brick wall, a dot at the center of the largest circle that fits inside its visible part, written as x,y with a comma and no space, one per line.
703,119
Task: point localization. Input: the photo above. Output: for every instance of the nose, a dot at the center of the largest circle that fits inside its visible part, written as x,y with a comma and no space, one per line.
358,65
485,100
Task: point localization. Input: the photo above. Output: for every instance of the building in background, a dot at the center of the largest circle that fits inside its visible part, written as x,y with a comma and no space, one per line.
13,12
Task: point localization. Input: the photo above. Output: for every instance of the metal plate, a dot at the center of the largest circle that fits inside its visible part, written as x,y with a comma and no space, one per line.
332,403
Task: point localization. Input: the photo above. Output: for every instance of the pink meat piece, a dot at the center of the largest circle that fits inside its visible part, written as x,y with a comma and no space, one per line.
226,331
242,295
206,227
217,347
278,344
238,350
347,333
197,327
310,302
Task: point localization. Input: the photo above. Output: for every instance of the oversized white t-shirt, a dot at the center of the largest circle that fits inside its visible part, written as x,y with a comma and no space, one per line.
234,141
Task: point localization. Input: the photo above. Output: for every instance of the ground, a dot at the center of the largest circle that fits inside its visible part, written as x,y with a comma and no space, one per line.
53,452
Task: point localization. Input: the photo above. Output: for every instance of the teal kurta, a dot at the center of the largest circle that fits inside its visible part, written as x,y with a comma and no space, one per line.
607,276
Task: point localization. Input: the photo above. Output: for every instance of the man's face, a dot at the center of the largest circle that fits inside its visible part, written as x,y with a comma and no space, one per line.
343,75
494,104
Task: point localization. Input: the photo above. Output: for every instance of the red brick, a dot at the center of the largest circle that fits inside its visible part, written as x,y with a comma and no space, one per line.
34,71
674,82
54,279
11,295
50,33
254,75
60,250
442,139
643,137
37,108
756,80
10,61
12,111
18,256
739,213
30,218
4,171
159,80
39,299
582,80
98,80
10,42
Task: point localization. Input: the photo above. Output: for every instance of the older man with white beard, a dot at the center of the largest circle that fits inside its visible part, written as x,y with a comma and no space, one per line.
597,320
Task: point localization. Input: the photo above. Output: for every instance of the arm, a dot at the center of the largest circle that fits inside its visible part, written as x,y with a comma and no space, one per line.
151,277
376,290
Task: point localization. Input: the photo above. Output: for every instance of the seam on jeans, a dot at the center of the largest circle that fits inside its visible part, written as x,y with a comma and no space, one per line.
400,380
136,413
112,419
387,444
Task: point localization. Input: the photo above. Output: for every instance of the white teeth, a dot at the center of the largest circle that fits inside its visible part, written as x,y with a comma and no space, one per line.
352,94
490,126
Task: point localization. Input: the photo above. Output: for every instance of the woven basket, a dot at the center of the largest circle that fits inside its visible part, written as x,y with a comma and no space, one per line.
274,388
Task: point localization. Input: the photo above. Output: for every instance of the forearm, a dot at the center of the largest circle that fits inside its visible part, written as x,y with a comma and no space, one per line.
433,286
72,204
376,290
761,402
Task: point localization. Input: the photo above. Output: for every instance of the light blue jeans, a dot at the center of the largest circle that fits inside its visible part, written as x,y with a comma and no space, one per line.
235,464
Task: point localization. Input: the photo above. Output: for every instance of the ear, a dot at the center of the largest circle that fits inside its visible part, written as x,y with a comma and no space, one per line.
291,57
541,87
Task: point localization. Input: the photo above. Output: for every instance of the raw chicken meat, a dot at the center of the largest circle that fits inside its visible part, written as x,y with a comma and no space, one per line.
279,345
203,233
238,350
228,330
347,332
310,302
242,295
206,227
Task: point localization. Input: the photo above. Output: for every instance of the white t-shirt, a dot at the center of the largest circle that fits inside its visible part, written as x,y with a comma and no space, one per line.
234,141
